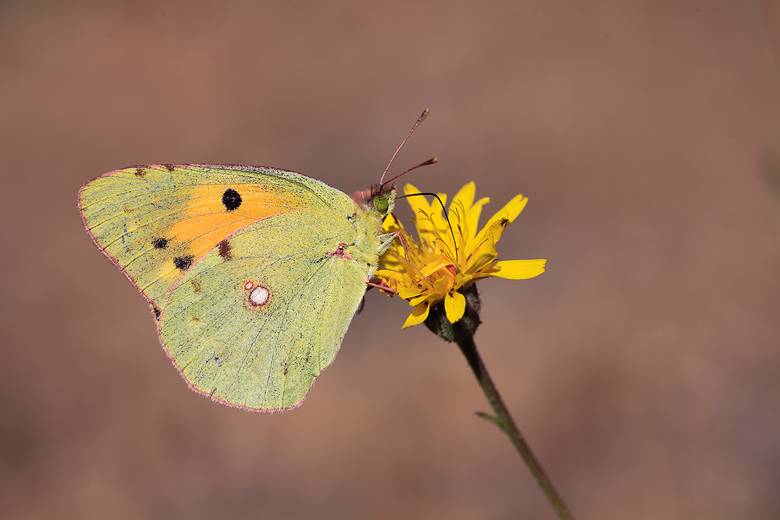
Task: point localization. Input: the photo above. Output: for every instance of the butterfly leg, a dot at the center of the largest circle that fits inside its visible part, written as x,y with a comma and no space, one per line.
382,286
385,241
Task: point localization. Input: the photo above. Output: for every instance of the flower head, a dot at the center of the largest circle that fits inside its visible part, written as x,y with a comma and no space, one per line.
451,252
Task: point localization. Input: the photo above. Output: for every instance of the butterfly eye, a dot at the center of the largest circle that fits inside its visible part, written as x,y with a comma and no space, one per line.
380,203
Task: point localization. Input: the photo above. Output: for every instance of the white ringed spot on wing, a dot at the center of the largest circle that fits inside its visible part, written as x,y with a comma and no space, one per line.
257,295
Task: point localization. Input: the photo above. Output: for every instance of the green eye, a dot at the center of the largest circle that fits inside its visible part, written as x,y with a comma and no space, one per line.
380,203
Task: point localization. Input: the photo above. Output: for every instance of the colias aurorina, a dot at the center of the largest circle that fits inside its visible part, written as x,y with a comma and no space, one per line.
253,274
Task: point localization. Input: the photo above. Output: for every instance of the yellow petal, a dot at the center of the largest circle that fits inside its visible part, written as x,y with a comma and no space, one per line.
465,195
428,218
388,274
440,224
519,269
472,219
479,261
434,266
417,316
420,204
412,294
510,212
464,279
484,252
420,208
411,190
392,224
461,204
454,306
442,286
512,208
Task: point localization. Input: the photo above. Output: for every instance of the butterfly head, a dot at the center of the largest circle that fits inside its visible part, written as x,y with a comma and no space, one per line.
379,199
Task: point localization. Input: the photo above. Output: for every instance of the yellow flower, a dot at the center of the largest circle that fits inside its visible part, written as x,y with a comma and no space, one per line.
449,255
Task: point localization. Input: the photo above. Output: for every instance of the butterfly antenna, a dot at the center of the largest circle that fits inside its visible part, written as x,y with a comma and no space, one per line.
416,124
426,163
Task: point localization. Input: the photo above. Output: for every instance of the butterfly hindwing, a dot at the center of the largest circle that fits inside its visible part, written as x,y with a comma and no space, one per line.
255,321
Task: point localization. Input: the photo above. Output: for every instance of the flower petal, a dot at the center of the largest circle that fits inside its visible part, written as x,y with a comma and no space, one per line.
388,274
472,219
461,204
511,209
519,269
454,306
418,315
413,295
510,212
465,195
420,204
428,218
392,224
485,252
436,263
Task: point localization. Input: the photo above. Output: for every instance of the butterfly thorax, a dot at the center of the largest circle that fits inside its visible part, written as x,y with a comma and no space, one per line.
372,206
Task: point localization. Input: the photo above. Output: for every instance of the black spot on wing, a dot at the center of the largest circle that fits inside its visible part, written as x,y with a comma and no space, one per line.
140,172
160,243
231,199
183,262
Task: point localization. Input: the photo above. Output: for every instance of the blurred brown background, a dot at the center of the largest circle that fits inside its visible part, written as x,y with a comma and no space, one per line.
644,366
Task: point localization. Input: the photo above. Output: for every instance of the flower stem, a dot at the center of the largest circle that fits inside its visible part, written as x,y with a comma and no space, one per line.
504,420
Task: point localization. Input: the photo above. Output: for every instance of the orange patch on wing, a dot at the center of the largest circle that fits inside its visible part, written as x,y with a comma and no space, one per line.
204,232
206,220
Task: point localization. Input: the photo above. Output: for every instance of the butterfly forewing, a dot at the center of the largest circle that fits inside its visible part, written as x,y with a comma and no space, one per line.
155,221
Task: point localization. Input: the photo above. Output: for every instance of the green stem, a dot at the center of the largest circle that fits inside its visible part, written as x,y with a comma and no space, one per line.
504,420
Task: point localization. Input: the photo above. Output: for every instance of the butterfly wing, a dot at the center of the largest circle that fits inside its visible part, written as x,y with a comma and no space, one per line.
255,321
156,221
254,274
191,237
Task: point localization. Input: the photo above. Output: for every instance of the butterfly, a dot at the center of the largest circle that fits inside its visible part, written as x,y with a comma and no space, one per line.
253,274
